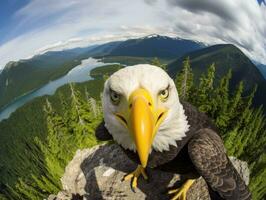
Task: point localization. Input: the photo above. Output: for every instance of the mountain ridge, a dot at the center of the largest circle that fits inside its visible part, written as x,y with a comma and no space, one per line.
156,46
225,57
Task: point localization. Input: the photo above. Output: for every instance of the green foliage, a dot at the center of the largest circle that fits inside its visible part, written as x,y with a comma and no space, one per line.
36,72
257,182
129,60
241,126
202,96
184,80
31,160
220,103
104,72
157,63
126,60
69,129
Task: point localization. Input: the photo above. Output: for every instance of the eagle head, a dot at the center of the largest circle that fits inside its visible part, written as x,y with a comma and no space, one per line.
142,110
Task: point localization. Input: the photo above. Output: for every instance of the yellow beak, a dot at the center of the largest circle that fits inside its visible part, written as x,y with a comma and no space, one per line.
144,121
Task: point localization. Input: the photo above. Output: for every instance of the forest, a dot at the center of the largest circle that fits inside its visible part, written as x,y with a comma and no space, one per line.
71,124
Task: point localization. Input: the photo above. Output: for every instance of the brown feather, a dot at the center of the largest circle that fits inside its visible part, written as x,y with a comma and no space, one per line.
214,166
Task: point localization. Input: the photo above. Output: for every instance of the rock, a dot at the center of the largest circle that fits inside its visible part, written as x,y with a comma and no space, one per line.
52,197
96,173
242,168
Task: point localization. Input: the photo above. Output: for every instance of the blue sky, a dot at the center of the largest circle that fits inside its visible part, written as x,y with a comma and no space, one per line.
29,27
261,1
7,21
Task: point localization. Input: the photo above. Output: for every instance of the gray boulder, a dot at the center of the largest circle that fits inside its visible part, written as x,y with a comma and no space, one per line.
96,173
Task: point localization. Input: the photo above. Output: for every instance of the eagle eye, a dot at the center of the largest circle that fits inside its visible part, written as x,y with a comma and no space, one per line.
115,97
164,94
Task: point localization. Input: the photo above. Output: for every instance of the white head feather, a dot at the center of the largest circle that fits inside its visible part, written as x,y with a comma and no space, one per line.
153,79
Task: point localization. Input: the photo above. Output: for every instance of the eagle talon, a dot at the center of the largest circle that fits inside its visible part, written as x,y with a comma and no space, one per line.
134,177
181,193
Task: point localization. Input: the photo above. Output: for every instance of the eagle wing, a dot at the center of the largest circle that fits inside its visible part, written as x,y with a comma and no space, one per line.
208,155
102,133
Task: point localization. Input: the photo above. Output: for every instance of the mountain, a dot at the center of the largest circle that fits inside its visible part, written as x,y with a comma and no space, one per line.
21,77
262,69
102,50
142,50
155,46
225,56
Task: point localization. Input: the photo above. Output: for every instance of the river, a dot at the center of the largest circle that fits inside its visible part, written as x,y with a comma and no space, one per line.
79,73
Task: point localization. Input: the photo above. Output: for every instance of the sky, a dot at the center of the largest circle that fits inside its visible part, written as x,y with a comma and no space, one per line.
30,27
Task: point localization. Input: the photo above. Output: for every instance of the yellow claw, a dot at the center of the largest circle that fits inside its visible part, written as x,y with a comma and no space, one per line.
135,175
181,193
173,191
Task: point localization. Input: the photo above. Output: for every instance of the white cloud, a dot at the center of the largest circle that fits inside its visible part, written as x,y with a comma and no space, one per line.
62,24
242,23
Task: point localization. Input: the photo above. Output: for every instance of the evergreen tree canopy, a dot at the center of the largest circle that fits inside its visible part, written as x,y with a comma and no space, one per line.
157,63
184,80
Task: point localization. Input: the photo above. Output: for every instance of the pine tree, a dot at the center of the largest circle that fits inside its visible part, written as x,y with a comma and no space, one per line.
184,80
66,132
257,178
82,114
54,148
202,97
236,102
105,77
221,103
157,63
246,106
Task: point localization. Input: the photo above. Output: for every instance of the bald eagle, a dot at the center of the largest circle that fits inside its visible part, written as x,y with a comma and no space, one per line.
143,114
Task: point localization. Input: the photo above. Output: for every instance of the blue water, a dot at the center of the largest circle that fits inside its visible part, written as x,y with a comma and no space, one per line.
78,74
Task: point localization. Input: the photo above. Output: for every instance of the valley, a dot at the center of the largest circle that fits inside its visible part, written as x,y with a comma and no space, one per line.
79,73
24,76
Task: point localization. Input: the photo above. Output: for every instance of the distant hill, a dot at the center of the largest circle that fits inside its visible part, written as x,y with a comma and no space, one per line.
155,46
225,56
102,50
18,78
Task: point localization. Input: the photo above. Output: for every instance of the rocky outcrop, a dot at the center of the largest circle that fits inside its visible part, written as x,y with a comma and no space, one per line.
96,173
